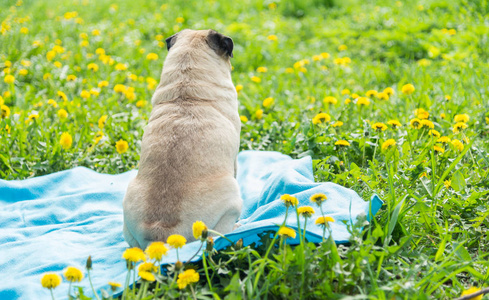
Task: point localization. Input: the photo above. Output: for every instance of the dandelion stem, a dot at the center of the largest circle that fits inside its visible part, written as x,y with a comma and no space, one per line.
193,292
221,235
52,295
206,270
91,285
126,285
69,290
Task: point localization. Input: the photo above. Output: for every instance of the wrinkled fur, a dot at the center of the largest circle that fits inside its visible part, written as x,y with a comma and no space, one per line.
189,148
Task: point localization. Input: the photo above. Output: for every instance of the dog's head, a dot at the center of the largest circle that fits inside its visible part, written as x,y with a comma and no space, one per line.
222,45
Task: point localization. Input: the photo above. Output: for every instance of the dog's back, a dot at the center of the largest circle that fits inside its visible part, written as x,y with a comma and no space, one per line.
189,149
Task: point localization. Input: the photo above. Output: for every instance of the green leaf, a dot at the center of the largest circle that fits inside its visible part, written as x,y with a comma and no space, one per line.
458,181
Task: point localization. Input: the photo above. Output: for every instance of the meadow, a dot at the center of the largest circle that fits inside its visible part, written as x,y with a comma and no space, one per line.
388,97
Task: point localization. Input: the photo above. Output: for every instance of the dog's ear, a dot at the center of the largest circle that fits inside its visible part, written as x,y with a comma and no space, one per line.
220,43
171,41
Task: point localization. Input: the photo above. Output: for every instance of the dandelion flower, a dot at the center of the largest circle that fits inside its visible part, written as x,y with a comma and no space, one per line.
447,183
85,94
120,88
345,92
268,102
147,276
121,146
459,127
389,91
5,111
347,101
289,200
73,274
363,101
387,144
23,72
103,83
473,290
134,255
114,285
342,47
337,124
121,67
438,149
379,126
62,114
420,113
325,55
62,95
239,88
443,140
101,121
434,133
394,123
243,119
324,220
443,116
152,56
9,79
188,277
176,241
93,67
464,118
407,89
371,93
458,145
318,198
382,96
330,100
427,124
261,69
156,250
66,140
147,267
287,232
321,118
71,78
342,143
256,79
272,37
259,114
415,123
305,211
50,280
198,228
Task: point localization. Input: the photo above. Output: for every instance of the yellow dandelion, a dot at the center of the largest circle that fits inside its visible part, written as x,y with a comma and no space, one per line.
93,67
85,94
363,101
464,118
156,250
259,114
243,119
371,93
239,88
382,96
472,290
62,114
199,230
147,267
305,211
176,241
330,100
121,67
342,143
289,70
447,183
443,116
121,146
66,140
415,123
287,232
147,276
434,133
438,149
458,145
289,200
62,95
256,79
9,79
318,198
152,56
52,103
23,72
321,118
5,111
407,89
120,88
337,124
179,20
443,140
50,280
114,285
379,126
134,255
101,121
345,92
71,78
394,123
188,277
141,103
325,55
460,126
261,69
73,274
96,32
389,91
324,220
387,144
268,102
272,37
347,101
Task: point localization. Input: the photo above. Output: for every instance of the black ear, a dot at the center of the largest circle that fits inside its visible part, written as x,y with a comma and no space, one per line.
171,41
220,43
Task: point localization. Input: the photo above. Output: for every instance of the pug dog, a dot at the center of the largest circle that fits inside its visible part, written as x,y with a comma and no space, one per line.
189,149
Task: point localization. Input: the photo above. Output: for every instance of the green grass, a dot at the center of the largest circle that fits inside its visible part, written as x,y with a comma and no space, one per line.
429,241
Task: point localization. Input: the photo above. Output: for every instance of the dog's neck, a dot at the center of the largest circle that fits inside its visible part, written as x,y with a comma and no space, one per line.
191,74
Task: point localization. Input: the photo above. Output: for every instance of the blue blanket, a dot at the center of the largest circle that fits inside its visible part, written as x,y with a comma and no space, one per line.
50,222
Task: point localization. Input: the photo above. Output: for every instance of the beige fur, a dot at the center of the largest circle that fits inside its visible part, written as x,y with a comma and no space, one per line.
189,148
